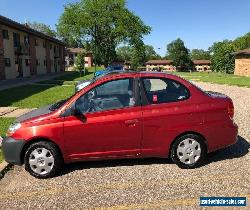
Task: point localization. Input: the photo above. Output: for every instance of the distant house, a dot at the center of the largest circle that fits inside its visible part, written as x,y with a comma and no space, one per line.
160,65
71,54
26,52
242,62
202,65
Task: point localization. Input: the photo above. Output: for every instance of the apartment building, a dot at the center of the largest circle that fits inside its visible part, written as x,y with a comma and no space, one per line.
71,55
160,65
202,65
167,65
26,52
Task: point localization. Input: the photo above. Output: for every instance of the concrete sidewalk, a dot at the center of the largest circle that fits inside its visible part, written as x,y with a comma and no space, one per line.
6,84
13,111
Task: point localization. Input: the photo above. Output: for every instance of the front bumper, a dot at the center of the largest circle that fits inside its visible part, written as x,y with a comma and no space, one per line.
12,149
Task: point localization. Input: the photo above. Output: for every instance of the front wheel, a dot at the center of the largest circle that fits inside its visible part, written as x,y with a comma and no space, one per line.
188,151
43,160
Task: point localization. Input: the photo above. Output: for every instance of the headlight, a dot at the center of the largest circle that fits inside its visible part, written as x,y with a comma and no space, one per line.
13,127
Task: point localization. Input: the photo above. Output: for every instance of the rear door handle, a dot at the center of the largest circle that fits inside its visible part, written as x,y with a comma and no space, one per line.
131,122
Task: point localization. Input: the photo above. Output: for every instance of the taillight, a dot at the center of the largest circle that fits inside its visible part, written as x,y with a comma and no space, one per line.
230,110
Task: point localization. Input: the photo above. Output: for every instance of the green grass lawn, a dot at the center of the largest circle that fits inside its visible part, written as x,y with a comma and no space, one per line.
4,124
214,77
34,96
42,93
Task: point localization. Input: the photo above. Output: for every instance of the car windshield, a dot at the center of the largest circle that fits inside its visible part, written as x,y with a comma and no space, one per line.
57,105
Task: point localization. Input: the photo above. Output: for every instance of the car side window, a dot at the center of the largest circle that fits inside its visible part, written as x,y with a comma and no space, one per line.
114,94
162,90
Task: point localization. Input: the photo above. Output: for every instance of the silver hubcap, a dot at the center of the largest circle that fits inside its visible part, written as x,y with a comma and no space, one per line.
189,151
41,161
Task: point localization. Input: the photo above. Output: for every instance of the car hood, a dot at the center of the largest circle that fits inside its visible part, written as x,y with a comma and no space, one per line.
34,113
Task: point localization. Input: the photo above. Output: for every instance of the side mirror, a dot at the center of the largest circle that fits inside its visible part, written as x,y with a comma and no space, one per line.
78,114
75,111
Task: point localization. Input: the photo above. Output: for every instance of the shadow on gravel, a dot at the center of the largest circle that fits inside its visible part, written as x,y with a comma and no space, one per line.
68,168
240,149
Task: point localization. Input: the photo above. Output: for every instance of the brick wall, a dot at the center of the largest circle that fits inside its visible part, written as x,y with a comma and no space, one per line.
62,58
242,65
2,69
48,57
33,68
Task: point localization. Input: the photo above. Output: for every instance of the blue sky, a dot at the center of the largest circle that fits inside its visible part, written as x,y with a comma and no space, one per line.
198,22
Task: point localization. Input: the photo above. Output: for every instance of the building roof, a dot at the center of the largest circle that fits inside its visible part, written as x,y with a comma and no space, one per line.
201,62
21,27
243,52
159,62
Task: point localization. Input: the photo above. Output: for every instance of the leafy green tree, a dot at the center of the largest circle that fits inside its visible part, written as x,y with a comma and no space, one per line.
43,28
124,53
104,24
242,42
150,53
177,51
80,62
138,56
198,54
222,56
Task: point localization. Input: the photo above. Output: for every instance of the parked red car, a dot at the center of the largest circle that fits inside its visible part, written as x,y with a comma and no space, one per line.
124,115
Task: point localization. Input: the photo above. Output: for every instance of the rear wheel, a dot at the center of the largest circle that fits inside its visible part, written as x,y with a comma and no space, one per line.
188,151
43,160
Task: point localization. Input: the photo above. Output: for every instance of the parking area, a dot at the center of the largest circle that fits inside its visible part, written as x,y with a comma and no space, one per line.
140,184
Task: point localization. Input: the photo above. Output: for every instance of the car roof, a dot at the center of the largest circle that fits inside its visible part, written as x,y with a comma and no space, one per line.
134,73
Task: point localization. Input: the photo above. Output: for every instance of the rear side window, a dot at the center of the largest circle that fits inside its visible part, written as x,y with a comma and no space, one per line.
162,90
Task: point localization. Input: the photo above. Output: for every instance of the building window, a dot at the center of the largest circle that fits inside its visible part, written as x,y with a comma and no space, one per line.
45,62
44,44
7,62
51,46
36,42
5,34
16,39
37,62
27,62
26,40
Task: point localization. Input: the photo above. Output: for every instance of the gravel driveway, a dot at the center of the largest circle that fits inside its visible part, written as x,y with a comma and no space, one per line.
140,184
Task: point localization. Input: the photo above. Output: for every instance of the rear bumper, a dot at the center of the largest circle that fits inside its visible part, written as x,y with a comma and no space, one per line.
223,136
12,149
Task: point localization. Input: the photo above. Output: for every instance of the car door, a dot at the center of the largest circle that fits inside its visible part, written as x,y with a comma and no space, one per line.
110,125
166,110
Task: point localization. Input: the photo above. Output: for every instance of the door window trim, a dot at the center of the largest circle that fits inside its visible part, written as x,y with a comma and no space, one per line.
135,93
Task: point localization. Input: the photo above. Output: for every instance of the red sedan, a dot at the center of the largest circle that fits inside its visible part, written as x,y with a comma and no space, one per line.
124,115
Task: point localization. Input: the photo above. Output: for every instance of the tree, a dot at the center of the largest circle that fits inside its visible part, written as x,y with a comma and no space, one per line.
177,51
150,53
43,28
198,54
104,24
222,58
138,56
242,42
124,53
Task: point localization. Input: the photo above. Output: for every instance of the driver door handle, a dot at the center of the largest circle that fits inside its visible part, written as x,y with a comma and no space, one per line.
132,122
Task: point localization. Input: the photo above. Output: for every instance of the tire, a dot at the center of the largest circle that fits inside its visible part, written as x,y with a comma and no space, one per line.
43,160
189,151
